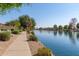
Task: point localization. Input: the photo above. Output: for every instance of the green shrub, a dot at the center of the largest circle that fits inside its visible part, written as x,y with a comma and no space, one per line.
28,31
20,30
15,32
12,29
32,33
3,29
44,52
4,36
33,38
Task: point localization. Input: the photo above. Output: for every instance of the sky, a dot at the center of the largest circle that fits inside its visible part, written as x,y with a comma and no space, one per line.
45,15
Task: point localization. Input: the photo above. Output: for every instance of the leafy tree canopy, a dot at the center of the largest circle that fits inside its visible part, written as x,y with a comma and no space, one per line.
27,22
15,23
5,7
77,25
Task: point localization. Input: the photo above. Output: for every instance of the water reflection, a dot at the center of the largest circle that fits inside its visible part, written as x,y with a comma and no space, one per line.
49,32
40,31
55,33
72,37
69,34
45,31
66,33
69,45
77,35
60,32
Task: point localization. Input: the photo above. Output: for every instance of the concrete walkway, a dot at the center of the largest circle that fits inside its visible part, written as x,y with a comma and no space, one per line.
19,47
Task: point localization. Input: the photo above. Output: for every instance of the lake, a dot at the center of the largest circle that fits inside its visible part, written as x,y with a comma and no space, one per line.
61,43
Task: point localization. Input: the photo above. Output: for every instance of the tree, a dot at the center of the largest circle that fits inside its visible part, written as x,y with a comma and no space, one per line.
77,25
32,23
27,22
73,20
14,23
66,27
72,23
24,20
60,27
5,7
70,26
17,23
55,27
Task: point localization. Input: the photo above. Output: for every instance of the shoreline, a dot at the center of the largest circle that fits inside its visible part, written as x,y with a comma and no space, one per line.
57,30
34,46
45,47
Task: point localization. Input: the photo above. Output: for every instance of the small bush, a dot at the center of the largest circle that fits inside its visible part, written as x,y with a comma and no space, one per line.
12,29
28,31
15,32
32,33
4,36
44,52
3,29
33,38
20,30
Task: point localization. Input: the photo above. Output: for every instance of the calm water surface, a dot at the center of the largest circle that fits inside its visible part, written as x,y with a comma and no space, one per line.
61,43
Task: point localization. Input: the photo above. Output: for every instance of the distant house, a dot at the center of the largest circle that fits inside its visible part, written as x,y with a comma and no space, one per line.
4,27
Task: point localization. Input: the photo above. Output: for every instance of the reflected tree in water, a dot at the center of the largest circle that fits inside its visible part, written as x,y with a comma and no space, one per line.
40,31
49,32
66,33
55,33
60,32
77,35
72,37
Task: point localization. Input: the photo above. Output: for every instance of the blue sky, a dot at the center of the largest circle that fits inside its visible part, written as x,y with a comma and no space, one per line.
45,15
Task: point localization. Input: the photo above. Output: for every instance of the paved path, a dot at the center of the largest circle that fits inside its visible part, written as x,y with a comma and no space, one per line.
19,47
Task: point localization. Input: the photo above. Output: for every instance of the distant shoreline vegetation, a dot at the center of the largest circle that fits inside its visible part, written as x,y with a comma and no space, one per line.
72,26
